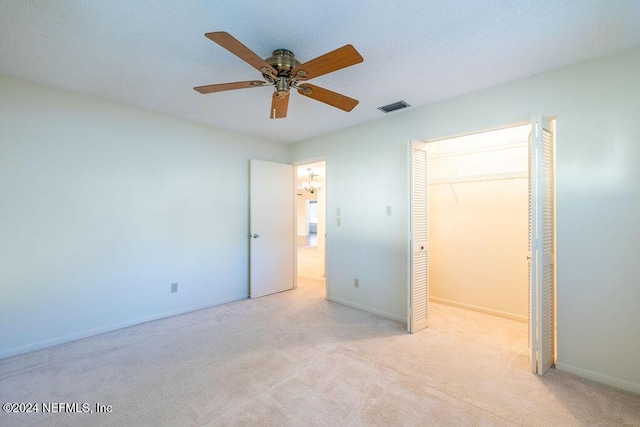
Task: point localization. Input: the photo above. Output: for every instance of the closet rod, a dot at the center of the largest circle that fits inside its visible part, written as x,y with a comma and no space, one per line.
518,144
478,178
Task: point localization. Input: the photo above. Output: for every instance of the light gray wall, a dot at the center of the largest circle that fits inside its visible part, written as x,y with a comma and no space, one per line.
103,206
598,203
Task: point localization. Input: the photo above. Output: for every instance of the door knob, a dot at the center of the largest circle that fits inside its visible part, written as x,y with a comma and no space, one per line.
255,236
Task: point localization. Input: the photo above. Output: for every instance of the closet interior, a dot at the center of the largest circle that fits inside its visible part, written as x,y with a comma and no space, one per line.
478,221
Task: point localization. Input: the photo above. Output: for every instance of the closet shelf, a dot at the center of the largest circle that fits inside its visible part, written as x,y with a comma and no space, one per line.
485,149
477,178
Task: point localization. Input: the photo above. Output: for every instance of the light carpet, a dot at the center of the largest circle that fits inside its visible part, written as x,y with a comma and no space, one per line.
294,359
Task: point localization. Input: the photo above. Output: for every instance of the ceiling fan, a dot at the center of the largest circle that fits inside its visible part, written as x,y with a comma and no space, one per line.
283,71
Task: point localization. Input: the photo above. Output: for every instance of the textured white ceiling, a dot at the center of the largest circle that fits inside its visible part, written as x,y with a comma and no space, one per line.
151,53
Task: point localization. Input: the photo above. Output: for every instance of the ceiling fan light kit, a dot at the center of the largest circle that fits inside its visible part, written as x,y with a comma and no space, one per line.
283,71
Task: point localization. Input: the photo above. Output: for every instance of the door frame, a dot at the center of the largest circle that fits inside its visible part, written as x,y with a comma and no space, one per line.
325,186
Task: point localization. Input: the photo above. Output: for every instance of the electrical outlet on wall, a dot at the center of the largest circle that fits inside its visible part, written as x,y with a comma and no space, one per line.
356,283
174,287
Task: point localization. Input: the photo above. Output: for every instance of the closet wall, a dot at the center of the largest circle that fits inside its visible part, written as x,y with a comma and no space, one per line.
478,222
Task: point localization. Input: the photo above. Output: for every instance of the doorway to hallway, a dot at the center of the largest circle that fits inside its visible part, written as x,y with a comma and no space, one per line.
311,225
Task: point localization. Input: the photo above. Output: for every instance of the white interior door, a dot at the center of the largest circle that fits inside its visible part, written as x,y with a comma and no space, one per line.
418,278
271,225
541,256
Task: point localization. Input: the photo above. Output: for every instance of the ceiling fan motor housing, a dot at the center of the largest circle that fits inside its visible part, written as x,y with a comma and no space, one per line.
284,61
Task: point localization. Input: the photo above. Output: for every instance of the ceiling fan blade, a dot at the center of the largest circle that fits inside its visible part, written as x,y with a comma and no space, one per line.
328,97
230,43
343,57
229,86
279,106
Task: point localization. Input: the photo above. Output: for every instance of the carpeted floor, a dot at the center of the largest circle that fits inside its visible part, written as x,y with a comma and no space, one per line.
296,359
310,266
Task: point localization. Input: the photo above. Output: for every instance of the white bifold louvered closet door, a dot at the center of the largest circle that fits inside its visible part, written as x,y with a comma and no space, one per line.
541,246
419,279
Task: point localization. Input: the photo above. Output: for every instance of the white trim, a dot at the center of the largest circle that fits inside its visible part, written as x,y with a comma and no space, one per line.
294,172
498,313
304,162
93,332
600,378
485,130
402,319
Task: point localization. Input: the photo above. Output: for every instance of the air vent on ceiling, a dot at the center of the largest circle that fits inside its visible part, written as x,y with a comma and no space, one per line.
393,107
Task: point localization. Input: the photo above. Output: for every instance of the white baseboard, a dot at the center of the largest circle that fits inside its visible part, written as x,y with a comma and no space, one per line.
480,309
367,309
110,328
601,378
